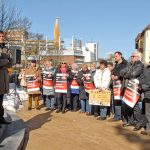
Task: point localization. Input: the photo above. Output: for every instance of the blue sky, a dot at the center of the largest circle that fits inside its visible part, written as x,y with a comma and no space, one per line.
114,24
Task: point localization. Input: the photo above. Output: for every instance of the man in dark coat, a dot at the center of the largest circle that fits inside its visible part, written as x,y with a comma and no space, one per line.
121,63
5,62
134,70
145,85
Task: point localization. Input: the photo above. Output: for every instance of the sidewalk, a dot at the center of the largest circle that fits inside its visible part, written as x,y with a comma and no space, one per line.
75,131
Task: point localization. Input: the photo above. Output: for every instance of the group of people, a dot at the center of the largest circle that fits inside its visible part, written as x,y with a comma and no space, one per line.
66,87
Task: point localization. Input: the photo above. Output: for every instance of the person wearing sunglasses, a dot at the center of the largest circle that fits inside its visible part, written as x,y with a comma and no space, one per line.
134,70
62,80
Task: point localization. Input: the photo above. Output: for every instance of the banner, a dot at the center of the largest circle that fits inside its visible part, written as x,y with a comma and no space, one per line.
88,84
32,84
117,90
61,83
47,81
131,94
74,87
99,98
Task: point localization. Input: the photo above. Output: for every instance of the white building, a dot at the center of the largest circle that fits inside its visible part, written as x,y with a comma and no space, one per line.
90,52
143,44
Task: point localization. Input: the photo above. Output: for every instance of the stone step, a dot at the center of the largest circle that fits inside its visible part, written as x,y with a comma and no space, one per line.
14,134
3,127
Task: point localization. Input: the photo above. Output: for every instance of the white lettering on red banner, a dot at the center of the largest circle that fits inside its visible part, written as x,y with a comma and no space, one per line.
32,84
88,84
61,83
117,90
131,94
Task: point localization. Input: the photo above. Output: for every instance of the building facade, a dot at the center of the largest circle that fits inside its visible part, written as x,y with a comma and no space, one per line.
90,52
70,50
142,44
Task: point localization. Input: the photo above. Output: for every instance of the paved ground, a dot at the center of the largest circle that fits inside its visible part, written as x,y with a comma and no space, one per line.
75,131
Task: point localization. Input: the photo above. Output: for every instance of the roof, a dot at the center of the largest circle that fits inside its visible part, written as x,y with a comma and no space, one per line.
142,33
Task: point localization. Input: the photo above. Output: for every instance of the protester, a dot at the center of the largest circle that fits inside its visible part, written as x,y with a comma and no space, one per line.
102,79
110,66
121,63
145,85
5,62
48,85
85,83
134,69
74,86
94,108
62,87
33,78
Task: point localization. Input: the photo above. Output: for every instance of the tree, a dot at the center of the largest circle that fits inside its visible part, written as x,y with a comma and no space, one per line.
10,17
33,50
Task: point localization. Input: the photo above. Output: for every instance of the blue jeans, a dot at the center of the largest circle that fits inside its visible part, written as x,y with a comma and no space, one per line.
85,107
103,111
50,101
118,111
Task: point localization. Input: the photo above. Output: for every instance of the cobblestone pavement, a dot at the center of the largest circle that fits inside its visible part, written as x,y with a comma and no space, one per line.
75,131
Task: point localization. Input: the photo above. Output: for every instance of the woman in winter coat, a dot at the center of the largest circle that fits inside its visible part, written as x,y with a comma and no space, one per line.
74,88
62,86
85,82
102,82
48,85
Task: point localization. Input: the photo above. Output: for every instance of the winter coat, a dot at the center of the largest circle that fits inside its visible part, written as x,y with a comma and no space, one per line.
5,62
145,82
74,90
102,78
37,73
118,67
49,91
132,71
83,94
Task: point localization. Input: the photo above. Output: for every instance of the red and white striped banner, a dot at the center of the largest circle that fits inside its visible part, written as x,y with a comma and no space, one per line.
117,90
131,94
88,84
47,81
32,84
61,83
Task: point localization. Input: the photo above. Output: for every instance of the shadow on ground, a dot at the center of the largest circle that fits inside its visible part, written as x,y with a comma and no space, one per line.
31,125
132,137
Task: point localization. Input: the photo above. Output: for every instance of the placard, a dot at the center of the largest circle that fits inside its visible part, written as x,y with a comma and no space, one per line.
99,98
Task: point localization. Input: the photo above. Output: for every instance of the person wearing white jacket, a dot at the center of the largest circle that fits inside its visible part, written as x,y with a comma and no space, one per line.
102,79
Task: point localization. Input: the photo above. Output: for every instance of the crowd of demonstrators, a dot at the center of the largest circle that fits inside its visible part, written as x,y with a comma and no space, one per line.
67,88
